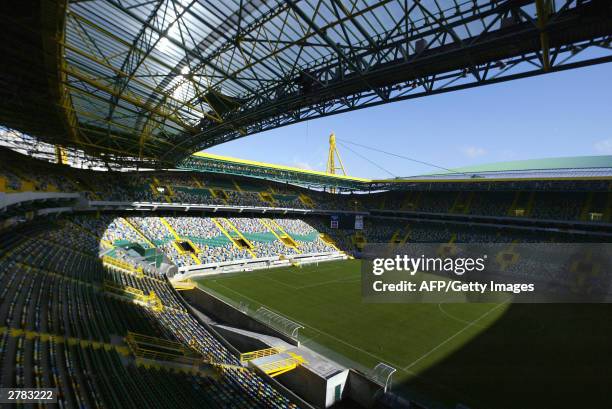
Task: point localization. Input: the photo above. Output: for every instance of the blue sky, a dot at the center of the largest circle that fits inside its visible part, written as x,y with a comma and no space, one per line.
561,114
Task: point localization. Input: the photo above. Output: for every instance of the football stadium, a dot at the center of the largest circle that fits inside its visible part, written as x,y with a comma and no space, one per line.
140,268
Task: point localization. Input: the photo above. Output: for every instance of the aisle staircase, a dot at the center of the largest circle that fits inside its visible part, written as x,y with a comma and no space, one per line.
233,234
306,200
607,216
462,202
197,182
170,228
508,256
85,182
136,230
329,241
168,191
151,300
411,201
105,243
448,249
359,240
280,233
401,236
273,361
32,184
178,239
584,212
83,342
24,184
286,363
123,266
148,347
268,198
521,204
218,194
249,356
152,352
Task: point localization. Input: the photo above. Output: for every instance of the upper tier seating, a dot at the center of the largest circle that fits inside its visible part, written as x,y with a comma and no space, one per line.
573,202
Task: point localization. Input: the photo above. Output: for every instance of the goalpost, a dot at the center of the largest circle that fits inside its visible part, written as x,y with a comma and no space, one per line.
381,374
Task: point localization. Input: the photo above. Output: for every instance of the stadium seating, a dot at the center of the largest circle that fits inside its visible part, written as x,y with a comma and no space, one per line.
214,243
63,317
61,328
19,173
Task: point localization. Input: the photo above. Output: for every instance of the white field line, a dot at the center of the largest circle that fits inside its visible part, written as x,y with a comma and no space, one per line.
339,280
292,287
456,334
451,316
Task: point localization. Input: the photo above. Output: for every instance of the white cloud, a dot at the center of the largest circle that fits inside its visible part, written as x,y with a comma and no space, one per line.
302,165
473,151
604,146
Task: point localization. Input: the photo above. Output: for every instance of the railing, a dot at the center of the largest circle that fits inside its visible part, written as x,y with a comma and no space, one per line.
151,300
123,265
249,356
282,366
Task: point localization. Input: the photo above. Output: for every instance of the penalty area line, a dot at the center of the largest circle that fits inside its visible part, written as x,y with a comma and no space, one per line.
455,335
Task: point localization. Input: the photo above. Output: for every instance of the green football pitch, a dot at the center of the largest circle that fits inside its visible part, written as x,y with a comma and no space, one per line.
481,355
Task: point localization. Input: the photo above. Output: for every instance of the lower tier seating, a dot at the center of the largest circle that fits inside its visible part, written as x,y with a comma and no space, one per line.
61,327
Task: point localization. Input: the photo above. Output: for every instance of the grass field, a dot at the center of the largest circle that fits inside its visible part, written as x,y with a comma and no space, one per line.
482,355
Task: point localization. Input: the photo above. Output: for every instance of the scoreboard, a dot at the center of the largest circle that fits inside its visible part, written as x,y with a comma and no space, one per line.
346,221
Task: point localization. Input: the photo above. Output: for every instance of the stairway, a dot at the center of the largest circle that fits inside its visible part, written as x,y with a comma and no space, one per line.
462,202
132,226
306,200
236,237
280,233
178,238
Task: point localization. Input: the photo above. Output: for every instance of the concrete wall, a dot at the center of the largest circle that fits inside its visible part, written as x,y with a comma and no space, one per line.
224,313
288,393
340,380
314,388
306,384
241,342
10,199
362,390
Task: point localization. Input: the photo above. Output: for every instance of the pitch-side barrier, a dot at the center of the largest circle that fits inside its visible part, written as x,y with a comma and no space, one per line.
260,263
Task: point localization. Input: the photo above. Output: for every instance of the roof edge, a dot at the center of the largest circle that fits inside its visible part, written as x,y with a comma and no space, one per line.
213,156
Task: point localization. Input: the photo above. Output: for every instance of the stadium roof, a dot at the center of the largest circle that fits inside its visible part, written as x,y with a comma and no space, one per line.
156,80
547,164
576,168
208,162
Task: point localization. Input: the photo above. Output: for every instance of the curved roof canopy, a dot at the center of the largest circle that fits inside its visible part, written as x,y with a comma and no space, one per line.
156,80
579,168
